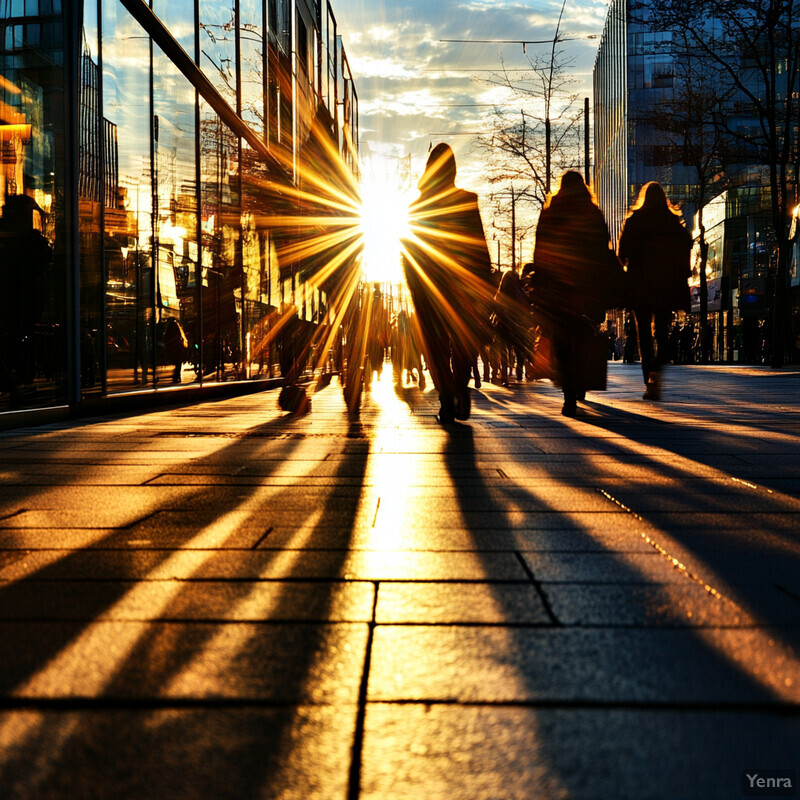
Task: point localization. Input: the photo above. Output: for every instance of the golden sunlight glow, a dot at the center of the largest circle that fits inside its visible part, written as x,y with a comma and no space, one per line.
383,224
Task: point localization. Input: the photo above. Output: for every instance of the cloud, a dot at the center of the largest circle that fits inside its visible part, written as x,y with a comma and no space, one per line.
415,89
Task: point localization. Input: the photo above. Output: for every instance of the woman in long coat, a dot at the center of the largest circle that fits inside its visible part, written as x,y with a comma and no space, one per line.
656,247
577,277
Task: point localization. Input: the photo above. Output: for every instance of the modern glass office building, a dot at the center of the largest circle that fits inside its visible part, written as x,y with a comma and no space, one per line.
151,156
638,72
634,72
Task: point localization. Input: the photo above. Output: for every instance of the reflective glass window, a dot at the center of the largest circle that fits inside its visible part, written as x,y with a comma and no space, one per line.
175,194
33,251
129,221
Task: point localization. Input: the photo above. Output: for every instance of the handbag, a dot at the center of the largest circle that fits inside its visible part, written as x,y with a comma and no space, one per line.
591,356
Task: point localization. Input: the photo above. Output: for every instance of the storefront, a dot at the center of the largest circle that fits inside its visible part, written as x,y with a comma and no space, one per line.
147,150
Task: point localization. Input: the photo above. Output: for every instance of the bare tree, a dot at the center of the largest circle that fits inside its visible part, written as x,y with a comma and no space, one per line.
536,135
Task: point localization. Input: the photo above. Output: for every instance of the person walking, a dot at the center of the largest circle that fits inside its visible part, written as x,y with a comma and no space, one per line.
512,324
656,247
576,278
447,268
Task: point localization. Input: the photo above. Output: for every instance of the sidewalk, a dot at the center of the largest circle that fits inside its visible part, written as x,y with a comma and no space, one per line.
219,601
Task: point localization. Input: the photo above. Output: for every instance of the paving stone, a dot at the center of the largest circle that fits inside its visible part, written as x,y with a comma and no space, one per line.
239,601
192,754
593,537
604,567
443,751
147,534
280,662
65,474
684,604
497,665
459,602
138,564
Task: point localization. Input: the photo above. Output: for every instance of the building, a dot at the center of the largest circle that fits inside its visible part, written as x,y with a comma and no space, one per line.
641,75
152,157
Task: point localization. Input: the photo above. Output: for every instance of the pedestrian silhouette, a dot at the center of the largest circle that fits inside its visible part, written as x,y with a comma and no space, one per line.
513,327
630,347
176,346
406,356
377,334
576,278
687,342
447,268
294,347
656,248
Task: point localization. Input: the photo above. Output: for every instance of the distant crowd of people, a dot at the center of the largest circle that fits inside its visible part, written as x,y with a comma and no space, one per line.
547,321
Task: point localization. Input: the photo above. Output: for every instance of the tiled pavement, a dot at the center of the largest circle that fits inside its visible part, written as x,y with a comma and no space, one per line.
220,601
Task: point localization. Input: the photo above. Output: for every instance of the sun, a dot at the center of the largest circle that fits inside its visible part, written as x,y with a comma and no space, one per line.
383,224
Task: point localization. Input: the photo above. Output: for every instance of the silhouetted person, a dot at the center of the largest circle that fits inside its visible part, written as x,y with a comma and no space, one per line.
294,346
512,326
176,346
612,341
488,351
631,346
576,278
406,357
448,269
656,247
675,343
377,334
687,342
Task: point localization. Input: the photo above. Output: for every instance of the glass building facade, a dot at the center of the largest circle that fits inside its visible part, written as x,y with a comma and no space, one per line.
149,154
634,73
638,70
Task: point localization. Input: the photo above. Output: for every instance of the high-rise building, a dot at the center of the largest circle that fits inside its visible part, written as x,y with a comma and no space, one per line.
150,157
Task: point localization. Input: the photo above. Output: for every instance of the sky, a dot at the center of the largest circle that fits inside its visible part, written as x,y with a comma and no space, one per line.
415,90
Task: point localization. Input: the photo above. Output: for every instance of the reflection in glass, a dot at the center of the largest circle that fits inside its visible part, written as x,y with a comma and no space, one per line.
90,207
130,287
32,242
175,187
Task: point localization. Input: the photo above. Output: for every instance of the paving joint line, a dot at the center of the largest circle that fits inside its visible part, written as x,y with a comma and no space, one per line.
100,704
261,538
676,563
539,589
354,779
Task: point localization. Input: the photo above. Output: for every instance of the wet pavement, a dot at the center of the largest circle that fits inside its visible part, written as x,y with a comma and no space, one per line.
222,601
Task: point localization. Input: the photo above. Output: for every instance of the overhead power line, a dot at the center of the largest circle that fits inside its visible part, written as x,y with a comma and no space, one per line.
523,42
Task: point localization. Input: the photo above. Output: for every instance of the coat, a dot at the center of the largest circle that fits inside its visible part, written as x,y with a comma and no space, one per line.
448,268
576,273
657,248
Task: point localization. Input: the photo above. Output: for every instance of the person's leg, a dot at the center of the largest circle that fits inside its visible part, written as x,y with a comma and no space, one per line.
462,366
662,320
565,366
643,323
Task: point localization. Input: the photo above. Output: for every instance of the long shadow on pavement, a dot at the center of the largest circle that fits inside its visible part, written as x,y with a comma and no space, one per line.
605,708
203,708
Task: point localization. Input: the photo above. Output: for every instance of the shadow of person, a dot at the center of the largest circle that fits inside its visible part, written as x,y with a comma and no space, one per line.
600,685
239,656
743,535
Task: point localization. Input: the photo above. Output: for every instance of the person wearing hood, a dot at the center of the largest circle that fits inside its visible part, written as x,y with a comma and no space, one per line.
448,271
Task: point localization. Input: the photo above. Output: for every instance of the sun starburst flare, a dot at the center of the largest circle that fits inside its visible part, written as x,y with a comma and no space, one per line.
344,232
